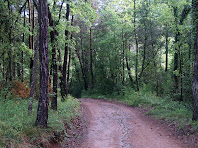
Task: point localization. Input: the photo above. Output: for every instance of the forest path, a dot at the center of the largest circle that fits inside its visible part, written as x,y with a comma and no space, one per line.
112,125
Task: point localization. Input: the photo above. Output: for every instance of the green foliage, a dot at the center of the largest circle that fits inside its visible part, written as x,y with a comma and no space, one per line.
16,125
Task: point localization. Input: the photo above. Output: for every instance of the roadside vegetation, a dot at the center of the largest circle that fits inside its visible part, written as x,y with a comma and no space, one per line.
17,128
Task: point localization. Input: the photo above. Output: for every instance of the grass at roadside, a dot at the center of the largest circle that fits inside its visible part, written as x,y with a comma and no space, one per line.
17,127
175,112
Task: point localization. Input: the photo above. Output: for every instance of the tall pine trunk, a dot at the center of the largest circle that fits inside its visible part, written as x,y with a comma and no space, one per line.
69,62
64,74
54,63
166,36
195,77
136,44
42,112
34,75
91,60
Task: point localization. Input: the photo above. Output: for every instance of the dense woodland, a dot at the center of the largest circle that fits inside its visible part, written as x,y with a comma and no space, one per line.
53,48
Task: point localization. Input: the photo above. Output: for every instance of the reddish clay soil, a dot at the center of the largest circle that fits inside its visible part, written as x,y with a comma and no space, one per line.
113,125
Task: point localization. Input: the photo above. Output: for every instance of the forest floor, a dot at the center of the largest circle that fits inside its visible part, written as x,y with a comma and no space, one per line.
113,125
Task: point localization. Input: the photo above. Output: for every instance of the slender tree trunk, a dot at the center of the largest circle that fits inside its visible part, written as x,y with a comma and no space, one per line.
64,74
136,43
22,61
127,65
10,50
54,63
181,75
42,112
14,63
195,77
34,75
166,36
82,69
33,26
3,63
123,55
176,51
91,60
68,71
30,38
69,62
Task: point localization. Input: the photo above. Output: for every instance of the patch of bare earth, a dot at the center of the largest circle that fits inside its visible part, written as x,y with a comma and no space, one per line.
112,125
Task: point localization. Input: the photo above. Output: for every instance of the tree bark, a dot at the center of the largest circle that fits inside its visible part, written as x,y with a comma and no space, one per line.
166,36
69,62
54,63
123,55
136,43
128,67
22,60
30,38
195,77
181,75
64,74
82,69
34,75
10,50
42,112
4,65
91,60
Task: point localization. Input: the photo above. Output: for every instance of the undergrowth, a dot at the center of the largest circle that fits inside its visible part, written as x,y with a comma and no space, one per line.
17,127
175,112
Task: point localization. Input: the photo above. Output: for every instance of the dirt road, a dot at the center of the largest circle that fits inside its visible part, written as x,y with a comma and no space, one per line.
113,125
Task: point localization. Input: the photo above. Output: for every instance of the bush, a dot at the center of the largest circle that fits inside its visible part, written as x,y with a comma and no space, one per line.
20,90
15,89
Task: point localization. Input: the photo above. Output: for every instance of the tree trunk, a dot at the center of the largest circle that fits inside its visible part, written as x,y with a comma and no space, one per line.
69,62
181,75
54,64
123,55
34,75
22,61
33,26
68,71
42,112
136,43
195,77
91,60
166,36
127,65
30,38
82,69
64,74
3,63
10,50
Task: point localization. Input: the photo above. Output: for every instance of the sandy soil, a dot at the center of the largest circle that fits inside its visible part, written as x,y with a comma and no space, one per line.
111,125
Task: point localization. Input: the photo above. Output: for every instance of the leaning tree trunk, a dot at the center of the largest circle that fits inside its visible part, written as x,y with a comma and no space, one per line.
42,112
195,77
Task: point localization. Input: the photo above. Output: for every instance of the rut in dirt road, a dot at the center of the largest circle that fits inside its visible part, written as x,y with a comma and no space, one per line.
117,126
